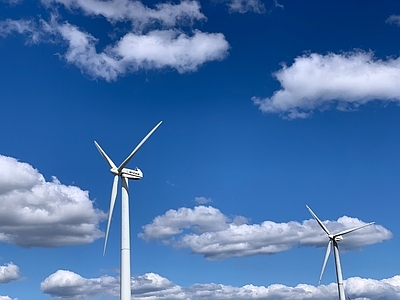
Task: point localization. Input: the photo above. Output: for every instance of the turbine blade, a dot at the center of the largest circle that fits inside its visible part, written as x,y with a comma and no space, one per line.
352,229
108,160
318,221
126,161
328,251
112,202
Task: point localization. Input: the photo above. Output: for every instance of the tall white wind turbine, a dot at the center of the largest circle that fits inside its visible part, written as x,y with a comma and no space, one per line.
125,174
333,240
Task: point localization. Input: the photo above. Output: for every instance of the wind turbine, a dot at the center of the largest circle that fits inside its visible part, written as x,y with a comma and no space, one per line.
333,240
125,174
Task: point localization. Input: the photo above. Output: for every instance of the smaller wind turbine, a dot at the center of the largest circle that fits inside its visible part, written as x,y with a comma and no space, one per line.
333,240
125,174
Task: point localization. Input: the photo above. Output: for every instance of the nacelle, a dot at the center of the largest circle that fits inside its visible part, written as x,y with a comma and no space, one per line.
135,174
338,238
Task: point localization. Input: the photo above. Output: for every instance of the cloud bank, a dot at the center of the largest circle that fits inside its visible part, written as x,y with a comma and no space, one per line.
69,285
155,41
206,231
344,81
38,213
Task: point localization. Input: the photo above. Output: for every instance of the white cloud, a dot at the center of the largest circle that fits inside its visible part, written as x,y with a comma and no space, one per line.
173,222
243,6
166,14
26,27
202,200
82,52
37,213
319,82
366,288
249,6
169,48
7,298
393,19
277,4
155,41
67,284
11,2
215,236
8,273
158,49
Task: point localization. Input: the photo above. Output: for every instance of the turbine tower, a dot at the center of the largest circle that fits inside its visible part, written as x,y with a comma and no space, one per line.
125,174
333,240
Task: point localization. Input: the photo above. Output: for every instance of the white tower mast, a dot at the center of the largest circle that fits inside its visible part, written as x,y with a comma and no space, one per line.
125,174
333,240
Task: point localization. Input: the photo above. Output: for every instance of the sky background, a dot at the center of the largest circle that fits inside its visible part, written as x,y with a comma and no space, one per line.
266,106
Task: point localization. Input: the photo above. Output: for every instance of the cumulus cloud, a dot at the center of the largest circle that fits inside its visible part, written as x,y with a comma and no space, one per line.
173,222
9,272
366,288
38,213
67,284
216,236
320,82
156,40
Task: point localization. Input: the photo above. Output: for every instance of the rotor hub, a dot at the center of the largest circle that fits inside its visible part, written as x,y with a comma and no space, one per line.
114,171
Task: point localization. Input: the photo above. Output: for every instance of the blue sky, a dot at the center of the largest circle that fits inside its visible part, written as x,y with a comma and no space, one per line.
266,106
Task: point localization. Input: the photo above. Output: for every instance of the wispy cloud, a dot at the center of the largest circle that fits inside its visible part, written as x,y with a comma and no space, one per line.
393,19
164,14
67,284
243,6
202,200
12,2
277,4
206,231
171,183
28,28
343,81
155,41
38,213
